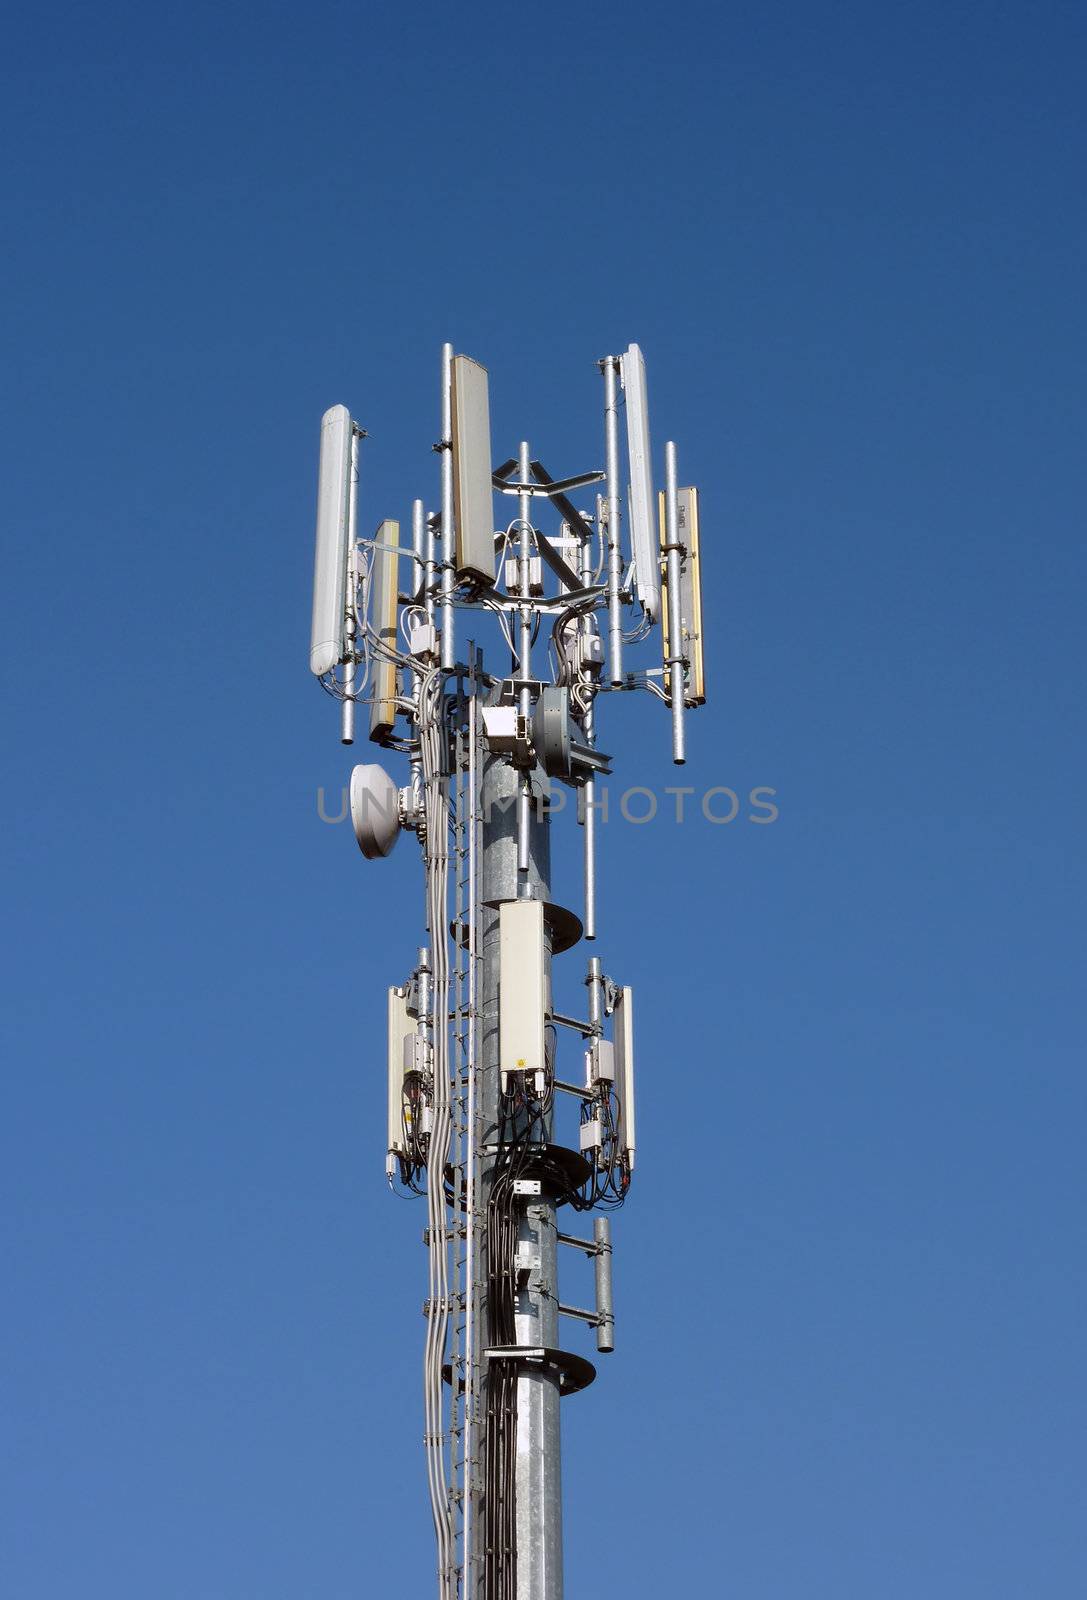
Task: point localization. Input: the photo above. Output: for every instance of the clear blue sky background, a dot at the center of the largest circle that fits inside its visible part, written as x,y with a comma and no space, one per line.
851,242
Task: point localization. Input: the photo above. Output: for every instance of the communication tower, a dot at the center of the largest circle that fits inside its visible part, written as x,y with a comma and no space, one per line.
485,1118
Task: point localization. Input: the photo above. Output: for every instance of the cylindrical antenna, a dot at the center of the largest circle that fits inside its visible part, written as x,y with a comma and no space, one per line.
449,648
347,704
605,1304
676,686
615,559
524,503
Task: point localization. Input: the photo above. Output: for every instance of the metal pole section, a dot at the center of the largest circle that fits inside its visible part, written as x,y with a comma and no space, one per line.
595,984
429,567
605,1304
610,368
423,1025
524,505
469,1576
538,1468
347,705
449,644
539,1464
586,626
418,548
673,549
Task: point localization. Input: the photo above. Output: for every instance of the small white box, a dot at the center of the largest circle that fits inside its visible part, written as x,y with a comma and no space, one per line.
535,575
590,1134
500,728
591,647
601,1061
416,1053
422,638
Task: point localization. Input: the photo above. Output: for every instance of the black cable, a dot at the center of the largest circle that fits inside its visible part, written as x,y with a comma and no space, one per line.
520,1116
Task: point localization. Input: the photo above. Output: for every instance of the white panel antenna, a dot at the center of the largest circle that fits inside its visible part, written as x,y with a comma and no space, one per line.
384,578
643,533
690,588
472,487
521,987
401,1027
623,1028
327,647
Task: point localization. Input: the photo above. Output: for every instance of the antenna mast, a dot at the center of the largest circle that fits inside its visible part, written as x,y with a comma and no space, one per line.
479,656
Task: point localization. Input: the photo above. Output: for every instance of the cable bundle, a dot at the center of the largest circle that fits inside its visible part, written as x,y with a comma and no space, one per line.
432,740
611,1173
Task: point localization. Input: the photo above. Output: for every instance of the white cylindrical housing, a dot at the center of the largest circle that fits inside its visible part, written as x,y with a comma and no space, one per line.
330,554
642,531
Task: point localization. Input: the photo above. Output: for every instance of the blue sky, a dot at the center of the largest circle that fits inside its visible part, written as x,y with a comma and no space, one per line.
850,1278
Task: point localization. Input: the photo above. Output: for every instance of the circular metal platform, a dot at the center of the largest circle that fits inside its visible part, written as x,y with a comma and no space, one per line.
561,1171
573,1372
564,925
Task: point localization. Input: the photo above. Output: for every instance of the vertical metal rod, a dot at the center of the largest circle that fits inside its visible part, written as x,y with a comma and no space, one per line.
471,1176
595,984
524,501
610,367
429,567
605,1304
449,643
418,547
601,519
347,705
586,626
673,549
590,852
424,1023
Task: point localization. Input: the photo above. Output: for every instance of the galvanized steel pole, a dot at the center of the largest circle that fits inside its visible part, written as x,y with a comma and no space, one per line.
538,1444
